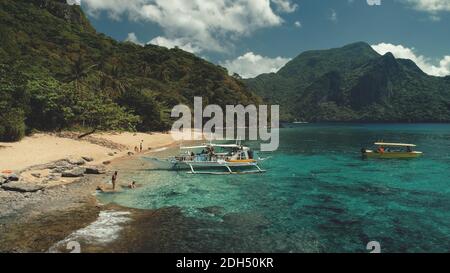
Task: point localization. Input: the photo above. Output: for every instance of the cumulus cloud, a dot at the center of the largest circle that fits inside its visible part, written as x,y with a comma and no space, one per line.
432,6
402,52
251,65
333,16
74,2
162,41
133,39
298,24
204,24
285,6
180,43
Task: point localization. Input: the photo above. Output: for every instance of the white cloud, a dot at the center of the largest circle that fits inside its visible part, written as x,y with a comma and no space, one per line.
74,2
435,18
402,52
162,41
204,24
285,6
180,43
298,24
432,6
133,39
333,16
251,65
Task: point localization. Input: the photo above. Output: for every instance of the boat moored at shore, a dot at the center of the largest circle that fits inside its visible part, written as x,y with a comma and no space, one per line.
232,158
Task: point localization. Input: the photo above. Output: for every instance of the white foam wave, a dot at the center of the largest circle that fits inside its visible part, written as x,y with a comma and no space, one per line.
160,150
104,230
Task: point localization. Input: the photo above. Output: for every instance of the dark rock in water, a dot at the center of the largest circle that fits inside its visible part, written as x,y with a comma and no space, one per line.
77,172
88,158
332,209
345,222
22,187
246,220
216,210
171,193
76,161
12,177
95,170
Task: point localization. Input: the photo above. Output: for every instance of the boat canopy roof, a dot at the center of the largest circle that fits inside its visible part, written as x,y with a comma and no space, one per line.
395,144
193,147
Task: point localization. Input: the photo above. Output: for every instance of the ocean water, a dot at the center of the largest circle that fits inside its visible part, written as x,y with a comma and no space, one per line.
318,195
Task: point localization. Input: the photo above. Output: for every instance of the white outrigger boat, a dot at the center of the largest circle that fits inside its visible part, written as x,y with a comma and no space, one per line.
234,158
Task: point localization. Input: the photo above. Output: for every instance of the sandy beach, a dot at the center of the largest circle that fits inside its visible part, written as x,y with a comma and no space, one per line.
43,192
48,183
44,148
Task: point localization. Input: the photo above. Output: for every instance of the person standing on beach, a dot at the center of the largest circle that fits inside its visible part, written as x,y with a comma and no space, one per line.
113,180
142,141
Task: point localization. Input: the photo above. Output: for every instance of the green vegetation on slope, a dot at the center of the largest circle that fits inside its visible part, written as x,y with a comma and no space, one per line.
354,83
56,72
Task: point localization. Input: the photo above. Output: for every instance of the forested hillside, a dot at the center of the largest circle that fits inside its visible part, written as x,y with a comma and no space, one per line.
57,72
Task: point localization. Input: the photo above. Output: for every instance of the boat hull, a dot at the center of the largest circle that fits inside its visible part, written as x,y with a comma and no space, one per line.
392,155
212,165
173,164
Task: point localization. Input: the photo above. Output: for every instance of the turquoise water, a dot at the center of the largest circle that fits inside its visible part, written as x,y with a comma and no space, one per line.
317,196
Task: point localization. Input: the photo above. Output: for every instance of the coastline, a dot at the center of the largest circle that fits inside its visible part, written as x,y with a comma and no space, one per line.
34,221
43,148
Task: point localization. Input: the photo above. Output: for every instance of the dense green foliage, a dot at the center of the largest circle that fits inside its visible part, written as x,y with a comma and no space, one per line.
12,125
354,83
60,73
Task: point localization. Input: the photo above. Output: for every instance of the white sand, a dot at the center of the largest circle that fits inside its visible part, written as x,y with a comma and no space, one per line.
132,140
44,148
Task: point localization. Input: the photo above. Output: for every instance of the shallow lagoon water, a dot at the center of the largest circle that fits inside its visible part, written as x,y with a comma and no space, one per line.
317,196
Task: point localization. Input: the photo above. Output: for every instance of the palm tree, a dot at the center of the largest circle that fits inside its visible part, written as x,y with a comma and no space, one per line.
79,71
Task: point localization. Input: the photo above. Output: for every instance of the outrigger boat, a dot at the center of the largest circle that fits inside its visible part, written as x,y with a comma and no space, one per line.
392,150
234,158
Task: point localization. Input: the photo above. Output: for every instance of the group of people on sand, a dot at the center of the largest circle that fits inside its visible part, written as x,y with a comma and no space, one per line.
140,148
131,185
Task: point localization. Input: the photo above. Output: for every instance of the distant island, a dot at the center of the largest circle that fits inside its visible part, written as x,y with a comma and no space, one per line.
355,84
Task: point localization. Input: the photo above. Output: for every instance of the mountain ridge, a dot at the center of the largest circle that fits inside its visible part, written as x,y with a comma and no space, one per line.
354,83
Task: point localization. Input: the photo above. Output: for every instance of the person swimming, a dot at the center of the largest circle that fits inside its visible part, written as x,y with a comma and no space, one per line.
132,185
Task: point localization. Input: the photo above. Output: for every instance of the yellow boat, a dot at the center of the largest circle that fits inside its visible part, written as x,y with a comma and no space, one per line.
392,150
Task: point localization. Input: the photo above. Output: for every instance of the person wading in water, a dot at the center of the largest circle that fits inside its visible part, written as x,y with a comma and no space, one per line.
113,180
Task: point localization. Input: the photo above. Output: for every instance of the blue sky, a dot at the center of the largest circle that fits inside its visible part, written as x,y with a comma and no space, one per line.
257,36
